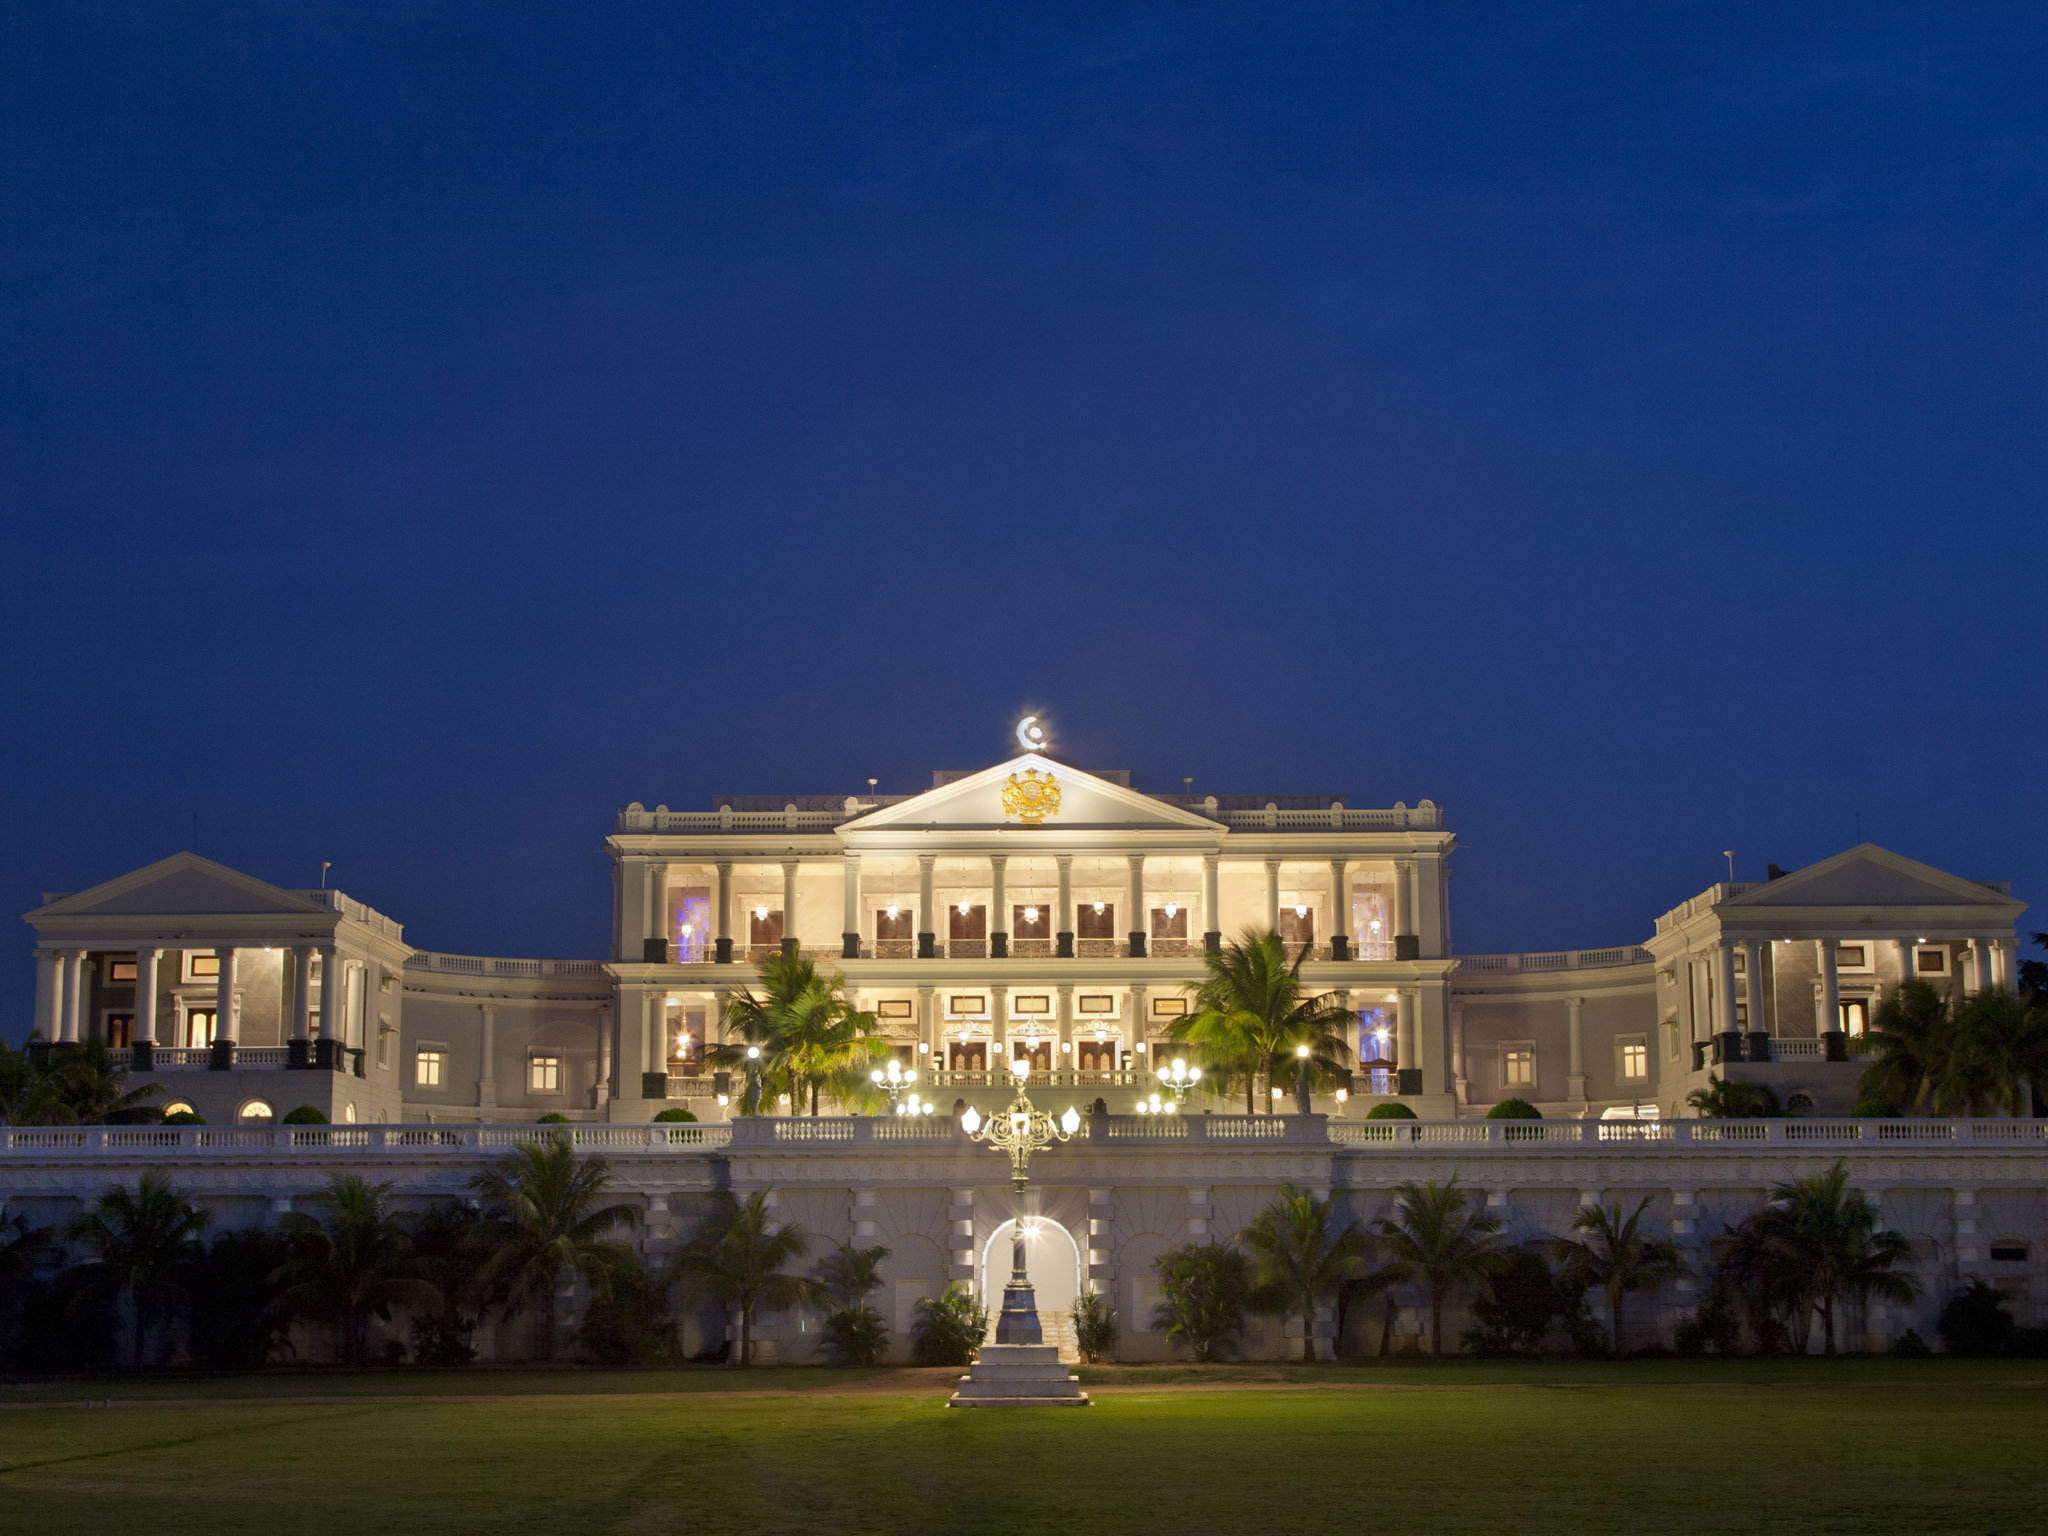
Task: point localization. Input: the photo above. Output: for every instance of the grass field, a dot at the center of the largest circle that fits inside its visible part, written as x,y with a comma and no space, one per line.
1858,1445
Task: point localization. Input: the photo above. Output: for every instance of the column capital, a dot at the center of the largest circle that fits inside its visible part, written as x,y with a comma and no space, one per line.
925,861
1065,989
1064,860
998,860
790,866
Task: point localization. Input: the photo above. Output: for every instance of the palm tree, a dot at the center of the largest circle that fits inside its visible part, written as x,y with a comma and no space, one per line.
545,1218
1725,1099
354,1267
1438,1237
1613,1253
30,1090
2001,1051
1830,1234
812,1040
94,1091
1912,1036
850,1275
23,1250
737,1258
1302,1256
1251,1011
145,1243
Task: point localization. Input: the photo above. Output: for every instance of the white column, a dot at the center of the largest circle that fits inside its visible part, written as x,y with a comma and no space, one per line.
1064,928
999,911
927,916
1724,987
49,994
331,1023
1406,1055
147,962
927,1024
657,1036
790,942
604,1056
302,992
1404,898
657,905
1575,1080
1985,966
1340,913
1830,989
999,1032
224,997
1065,1058
1905,948
1138,919
1137,1029
1212,907
1459,1081
74,992
850,923
1272,895
487,1055
1753,980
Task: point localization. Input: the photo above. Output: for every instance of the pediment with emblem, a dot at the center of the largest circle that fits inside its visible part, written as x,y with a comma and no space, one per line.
1032,785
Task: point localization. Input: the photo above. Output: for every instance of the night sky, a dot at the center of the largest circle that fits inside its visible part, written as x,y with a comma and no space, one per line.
426,428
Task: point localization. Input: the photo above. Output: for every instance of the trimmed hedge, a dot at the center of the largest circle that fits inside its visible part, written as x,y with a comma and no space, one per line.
553,1118
305,1114
1390,1112
1513,1109
672,1116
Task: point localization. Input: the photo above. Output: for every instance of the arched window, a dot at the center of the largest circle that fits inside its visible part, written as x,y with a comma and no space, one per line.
256,1111
1799,1104
177,1107
348,1114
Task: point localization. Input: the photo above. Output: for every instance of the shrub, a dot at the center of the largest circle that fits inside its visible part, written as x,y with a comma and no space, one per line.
1910,1346
1094,1325
1871,1109
443,1338
856,1335
553,1118
1390,1112
674,1117
1716,1329
305,1114
184,1117
1513,1309
627,1323
948,1331
1207,1286
1975,1321
1513,1109
233,1328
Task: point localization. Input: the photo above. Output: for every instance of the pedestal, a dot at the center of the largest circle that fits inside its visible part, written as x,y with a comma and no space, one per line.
1019,1376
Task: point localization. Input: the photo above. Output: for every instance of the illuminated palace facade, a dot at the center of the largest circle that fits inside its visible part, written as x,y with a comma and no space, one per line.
1034,911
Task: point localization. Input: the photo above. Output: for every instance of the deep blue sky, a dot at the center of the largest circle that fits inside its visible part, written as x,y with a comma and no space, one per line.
425,428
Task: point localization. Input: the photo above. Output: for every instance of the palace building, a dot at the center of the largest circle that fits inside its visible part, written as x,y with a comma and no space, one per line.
1034,911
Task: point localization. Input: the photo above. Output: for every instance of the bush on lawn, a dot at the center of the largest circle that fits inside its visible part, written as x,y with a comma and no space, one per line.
305,1114
1094,1326
948,1330
1390,1112
674,1117
1514,1109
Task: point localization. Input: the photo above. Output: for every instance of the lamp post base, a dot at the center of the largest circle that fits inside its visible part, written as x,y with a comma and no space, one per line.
1019,1376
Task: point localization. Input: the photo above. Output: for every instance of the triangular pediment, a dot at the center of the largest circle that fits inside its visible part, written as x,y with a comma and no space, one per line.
977,801
1870,876
184,885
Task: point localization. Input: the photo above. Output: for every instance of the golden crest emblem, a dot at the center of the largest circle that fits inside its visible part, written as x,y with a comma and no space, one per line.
1031,799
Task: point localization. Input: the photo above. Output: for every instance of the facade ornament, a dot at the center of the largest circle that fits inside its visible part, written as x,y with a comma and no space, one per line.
1030,798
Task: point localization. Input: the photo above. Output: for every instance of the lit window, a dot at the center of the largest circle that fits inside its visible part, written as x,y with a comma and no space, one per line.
1518,1066
120,968
1931,962
1852,957
544,1074
177,1107
427,1068
1855,1016
1635,1059
256,1109
202,965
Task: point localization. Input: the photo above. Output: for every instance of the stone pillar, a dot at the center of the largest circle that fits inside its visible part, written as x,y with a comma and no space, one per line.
299,1052
1407,943
1212,908
1063,942
1833,1046
603,1090
657,1042
722,952
74,995
1064,1057
1969,1252
850,924
487,1056
1724,1001
1138,917
332,1034
999,910
1575,1079
1461,1085
654,940
790,942
1408,1053
49,994
927,1025
927,914
1758,1046
1905,948
1340,914
1272,895
148,962
1984,964
998,1032
1137,1033
224,1022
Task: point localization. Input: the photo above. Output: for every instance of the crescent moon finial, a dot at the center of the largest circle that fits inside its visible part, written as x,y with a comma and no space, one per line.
1030,734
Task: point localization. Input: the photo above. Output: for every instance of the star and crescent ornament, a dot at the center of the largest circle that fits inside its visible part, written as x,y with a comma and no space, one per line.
1031,734
1031,798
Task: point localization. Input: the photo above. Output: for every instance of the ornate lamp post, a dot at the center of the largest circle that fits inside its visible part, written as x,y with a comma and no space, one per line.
893,1082
1020,1130
1301,1080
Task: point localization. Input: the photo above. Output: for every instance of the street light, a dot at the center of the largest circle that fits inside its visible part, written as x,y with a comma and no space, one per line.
753,1079
1301,1080
1177,1077
894,1081
1020,1130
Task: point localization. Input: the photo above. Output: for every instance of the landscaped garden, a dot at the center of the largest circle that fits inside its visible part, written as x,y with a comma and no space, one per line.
1807,1445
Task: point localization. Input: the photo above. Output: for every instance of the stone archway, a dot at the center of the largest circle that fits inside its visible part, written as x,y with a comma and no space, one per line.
1053,1260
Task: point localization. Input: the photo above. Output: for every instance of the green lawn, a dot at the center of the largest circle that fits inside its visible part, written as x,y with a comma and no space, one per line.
1670,1446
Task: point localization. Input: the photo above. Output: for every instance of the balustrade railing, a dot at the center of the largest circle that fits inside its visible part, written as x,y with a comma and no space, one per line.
491,965
122,1140
1557,960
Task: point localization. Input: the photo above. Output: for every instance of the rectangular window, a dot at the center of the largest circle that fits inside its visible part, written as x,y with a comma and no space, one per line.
1095,1002
763,927
971,924
1031,1004
1742,1018
895,1008
1095,920
384,1034
896,929
543,1074
1518,1065
1852,957
1855,1015
428,1067
199,1026
688,915
119,1029
1095,1055
202,965
969,1005
120,970
1031,921
1741,961
1635,1059
1169,1007
1931,962
967,1055
1170,926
